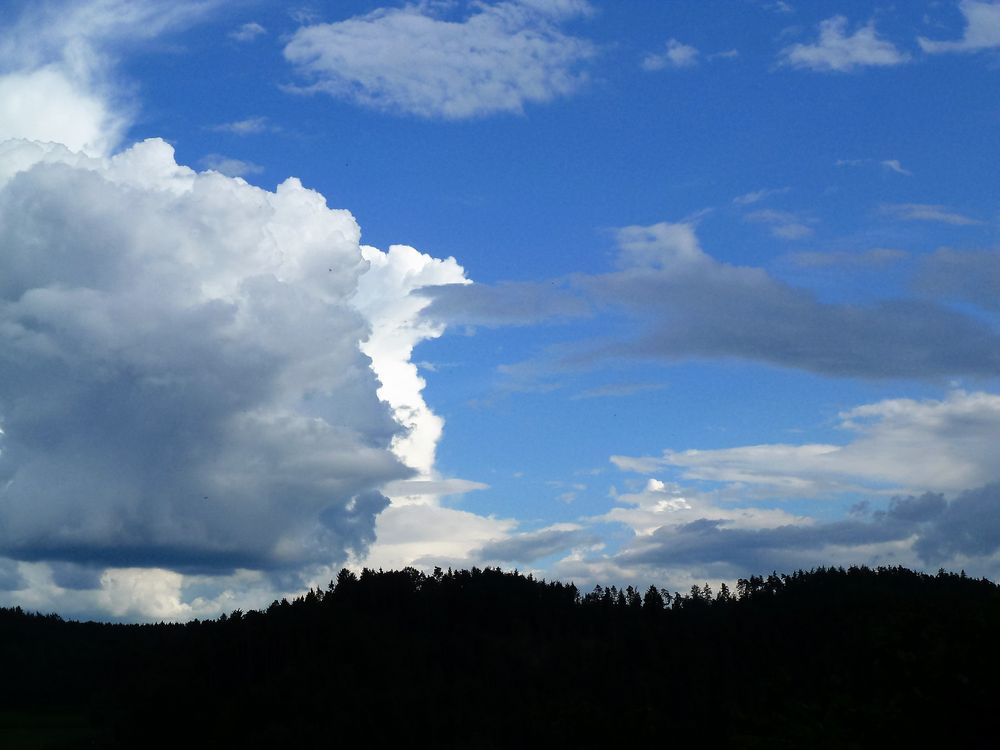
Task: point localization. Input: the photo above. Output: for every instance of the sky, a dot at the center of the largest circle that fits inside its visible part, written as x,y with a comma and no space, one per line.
609,291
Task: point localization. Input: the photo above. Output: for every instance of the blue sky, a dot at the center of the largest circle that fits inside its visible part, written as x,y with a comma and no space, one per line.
616,292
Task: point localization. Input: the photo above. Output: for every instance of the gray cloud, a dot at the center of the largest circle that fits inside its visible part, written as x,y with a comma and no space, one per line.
940,530
507,303
971,276
687,304
534,545
694,306
10,577
180,379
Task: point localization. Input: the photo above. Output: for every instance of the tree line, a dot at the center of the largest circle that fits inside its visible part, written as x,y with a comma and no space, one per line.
831,657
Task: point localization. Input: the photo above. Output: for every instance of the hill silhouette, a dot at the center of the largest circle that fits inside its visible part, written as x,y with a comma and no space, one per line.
484,658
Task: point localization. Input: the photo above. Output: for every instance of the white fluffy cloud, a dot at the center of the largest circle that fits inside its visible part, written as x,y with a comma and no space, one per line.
182,384
982,29
898,446
46,105
836,50
496,58
55,72
676,55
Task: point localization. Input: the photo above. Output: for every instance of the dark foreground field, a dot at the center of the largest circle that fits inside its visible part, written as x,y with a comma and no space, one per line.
488,659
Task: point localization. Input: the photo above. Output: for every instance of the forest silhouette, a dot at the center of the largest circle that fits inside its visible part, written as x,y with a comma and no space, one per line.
485,658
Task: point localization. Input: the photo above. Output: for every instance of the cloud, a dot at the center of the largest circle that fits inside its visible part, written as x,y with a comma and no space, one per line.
497,58
690,305
618,390
425,535
784,224
230,167
926,212
682,535
249,126
893,165
181,384
837,51
10,576
676,55
982,30
680,303
388,296
757,196
531,546
970,276
925,529
506,303
873,258
898,446
247,32
56,82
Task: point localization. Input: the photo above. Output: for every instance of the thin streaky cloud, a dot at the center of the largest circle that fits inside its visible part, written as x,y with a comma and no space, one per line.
248,126
926,212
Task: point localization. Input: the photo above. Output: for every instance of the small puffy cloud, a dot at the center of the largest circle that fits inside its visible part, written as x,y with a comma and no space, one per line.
982,29
230,167
249,126
497,58
247,32
676,55
835,50
926,212
898,446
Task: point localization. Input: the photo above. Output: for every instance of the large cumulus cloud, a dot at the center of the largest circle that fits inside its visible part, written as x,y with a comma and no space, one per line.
181,383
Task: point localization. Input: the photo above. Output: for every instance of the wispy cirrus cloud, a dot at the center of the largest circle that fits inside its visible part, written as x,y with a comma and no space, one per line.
893,165
926,212
246,126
